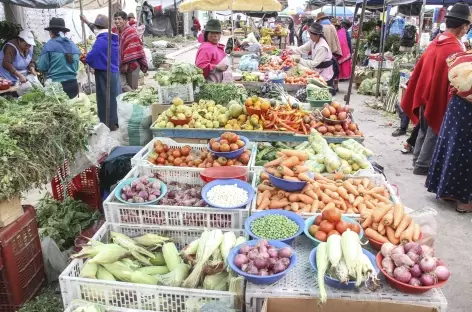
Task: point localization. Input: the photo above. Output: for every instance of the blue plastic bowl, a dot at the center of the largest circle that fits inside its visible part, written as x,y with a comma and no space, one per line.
233,154
261,280
309,222
289,186
241,184
128,182
291,215
334,282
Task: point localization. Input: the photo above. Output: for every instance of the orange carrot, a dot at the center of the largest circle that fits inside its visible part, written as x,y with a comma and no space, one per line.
330,205
300,169
295,207
406,220
285,171
306,199
331,194
304,177
391,235
342,192
289,178
315,206
416,232
264,187
381,228
388,218
302,156
274,162
398,212
290,162
293,197
380,212
352,198
350,188
365,182
306,209
326,199
330,187
264,176
259,199
365,214
350,211
361,207
381,198
369,204
311,194
378,190
367,222
278,204
407,235
274,172
370,233
322,205
375,225
265,203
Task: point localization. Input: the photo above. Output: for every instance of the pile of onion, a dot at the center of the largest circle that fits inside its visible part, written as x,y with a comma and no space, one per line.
413,264
141,190
263,259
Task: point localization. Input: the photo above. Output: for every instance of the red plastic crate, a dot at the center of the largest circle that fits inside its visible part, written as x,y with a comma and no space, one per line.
22,274
84,186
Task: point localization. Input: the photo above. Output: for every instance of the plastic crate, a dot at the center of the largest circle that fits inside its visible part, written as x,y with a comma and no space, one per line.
152,215
22,273
182,91
84,186
141,156
75,305
139,296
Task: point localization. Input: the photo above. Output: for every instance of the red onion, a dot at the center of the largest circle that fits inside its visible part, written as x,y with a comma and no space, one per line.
262,249
387,249
244,249
152,197
156,185
271,262
416,271
261,262
402,274
427,279
240,259
244,267
413,256
285,252
265,255
263,272
427,251
439,262
442,273
263,242
278,267
414,281
399,250
285,261
252,254
140,187
388,265
427,264
124,197
413,247
273,253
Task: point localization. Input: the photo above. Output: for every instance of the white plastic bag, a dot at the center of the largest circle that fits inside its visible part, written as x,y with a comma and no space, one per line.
134,122
55,261
161,44
148,54
32,81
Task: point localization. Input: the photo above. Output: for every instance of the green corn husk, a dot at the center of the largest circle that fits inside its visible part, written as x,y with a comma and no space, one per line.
126,242
229,239
190,249
89,270
171,256
212,282
132,264
154,270
119,271
158,259
240,240
176,277
142,278
103,274
142,259
150,240
109,253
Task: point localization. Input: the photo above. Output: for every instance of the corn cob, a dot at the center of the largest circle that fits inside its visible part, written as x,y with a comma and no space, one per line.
119,271
103,274
132,264
141,258
141,278
150,240
89,270
154,270
109,253
158,259
171,256
129,244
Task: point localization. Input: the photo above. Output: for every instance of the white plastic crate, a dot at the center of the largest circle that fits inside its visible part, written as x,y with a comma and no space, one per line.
168,93
139,296
142,155
74,305
197,217
377,179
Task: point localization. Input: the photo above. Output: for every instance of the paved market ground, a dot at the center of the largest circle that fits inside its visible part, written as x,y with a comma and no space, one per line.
453,242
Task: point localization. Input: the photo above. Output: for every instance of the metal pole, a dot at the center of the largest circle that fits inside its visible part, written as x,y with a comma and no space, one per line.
109,67
421,27
354,59
344,8
382,48
84,37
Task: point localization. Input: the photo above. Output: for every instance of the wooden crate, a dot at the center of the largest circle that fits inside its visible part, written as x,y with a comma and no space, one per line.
10,211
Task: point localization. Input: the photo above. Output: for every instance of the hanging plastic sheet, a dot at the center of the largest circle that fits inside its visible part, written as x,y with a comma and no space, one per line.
55,4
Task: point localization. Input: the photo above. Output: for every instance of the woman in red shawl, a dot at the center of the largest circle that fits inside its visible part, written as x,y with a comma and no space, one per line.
132,57
427,95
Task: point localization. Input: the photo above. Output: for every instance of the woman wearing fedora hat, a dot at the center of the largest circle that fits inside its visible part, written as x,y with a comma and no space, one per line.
59,59
321,56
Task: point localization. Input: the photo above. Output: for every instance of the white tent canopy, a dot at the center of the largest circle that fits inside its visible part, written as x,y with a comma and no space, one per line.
55,4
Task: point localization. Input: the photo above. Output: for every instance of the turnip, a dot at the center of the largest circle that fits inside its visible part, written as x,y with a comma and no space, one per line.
402,259
387,249
388,265
402,274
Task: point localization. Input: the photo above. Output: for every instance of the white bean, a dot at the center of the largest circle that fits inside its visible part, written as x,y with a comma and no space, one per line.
227,195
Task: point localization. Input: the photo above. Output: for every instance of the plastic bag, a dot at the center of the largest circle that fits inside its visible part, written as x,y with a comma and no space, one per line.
55,261
426,218
134,122
161,44
148,54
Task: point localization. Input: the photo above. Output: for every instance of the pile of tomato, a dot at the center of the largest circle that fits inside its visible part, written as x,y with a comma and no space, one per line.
329,223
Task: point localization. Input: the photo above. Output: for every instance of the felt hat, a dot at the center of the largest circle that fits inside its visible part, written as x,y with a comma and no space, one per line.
346,22
101,21
57,24
321,16
27,36
213,25
335,22
316,29
460,11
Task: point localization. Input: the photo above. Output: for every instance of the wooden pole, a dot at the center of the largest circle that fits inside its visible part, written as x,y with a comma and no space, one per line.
108,98
84,38
356,52
421,27
382,49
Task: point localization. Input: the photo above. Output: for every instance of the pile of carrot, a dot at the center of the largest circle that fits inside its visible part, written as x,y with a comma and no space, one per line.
351,196
390,223
289,166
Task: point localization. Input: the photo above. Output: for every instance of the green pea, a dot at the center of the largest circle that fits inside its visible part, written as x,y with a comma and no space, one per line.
274,227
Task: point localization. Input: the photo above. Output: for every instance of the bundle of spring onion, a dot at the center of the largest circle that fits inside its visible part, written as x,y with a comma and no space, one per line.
342,258
154,260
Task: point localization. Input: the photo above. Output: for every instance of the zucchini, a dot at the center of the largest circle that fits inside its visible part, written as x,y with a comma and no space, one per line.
270,156
262,153
261,162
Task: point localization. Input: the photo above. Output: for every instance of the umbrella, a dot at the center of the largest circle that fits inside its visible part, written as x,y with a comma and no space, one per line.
293,11
235,5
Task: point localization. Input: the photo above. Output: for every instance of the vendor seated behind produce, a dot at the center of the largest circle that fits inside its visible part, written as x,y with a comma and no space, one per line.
211,56
16,58
60,58
321,56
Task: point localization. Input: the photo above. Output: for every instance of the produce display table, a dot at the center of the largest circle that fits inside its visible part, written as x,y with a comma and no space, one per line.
254,136
291,88
302,282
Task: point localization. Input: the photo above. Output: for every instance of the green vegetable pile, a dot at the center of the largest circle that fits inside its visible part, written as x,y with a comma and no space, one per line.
158,59
316,93
274,227
64,220
181,73
267,153
144,96
47,301
36,137
222,93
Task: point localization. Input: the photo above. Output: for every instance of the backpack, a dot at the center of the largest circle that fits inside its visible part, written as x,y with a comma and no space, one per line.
408,37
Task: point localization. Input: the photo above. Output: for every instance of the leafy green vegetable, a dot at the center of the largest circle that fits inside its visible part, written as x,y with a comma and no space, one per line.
47,301
144,96
222,93
63,220
158,59
181,73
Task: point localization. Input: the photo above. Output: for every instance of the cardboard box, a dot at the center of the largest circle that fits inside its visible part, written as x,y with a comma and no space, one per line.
338,305
10,211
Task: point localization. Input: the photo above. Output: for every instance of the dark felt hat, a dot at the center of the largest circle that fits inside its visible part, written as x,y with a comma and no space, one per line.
213,25
57,24
316,28
460,11
101,21
346,22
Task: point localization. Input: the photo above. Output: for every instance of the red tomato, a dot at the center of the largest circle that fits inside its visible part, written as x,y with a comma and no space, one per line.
326,226
318,220
333,215
321,236
355,227
342,226
333,232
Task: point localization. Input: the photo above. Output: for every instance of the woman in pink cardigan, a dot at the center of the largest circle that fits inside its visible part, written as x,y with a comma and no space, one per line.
211,56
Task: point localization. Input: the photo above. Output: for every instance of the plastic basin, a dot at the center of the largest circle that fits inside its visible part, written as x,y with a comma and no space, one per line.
289,186
406,288
241,184
261,280
318,103
291,215
233,154
178,122
128,182
309,222
378,245
334,282
232,172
